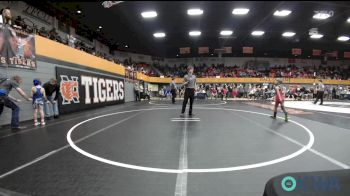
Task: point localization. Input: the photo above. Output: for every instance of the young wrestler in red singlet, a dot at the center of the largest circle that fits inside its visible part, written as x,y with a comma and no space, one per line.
279,99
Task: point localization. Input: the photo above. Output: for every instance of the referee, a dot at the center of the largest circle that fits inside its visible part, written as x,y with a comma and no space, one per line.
190,85
320,92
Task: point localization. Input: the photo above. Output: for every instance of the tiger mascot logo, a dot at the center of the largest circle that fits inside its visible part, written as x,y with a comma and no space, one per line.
69,89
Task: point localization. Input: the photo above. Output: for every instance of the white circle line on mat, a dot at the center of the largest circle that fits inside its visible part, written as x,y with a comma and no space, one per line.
160,104
176,171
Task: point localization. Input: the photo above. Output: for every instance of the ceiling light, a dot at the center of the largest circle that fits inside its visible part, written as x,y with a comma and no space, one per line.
240,11
79,11
348,20
282,13
126,46
226,32
343,38
194,33
258,33
321,16
159,35
288,34
194,12
100,27
149,14
316,36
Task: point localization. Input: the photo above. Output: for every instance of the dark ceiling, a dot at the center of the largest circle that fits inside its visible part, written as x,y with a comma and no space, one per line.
122,24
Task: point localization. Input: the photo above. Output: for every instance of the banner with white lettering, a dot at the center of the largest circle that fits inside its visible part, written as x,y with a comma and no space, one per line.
17,48
80,90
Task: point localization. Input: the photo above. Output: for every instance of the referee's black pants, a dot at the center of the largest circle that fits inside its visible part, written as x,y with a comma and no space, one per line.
319,96
189,94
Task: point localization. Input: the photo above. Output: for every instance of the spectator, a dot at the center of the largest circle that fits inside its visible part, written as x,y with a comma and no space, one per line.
224,92
20,22
247,88
137,91
252,93
53,34
214,93
51,105
334,93
6,85
43,32
71,41
162,93
173,90
147,94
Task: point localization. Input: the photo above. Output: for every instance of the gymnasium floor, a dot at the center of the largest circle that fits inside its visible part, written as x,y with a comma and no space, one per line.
227,148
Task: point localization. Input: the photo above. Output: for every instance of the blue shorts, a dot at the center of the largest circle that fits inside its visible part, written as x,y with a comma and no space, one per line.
38,103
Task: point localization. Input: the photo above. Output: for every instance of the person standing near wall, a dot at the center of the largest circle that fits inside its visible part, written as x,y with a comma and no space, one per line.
190,85
173,90
51,105
320,92
6,85
246,90
137,91
224,92
334,93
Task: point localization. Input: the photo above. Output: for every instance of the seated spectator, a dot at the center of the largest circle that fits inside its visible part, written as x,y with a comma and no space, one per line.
20,22
53,34
71,41
43,32
252,93
162,94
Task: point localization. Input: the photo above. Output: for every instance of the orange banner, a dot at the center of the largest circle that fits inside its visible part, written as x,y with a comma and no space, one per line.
185,50
296,51
248,50
333,54
227,50
203,50
316,52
